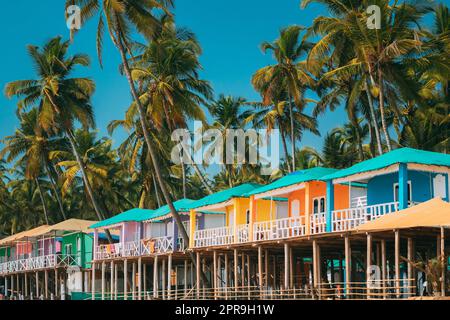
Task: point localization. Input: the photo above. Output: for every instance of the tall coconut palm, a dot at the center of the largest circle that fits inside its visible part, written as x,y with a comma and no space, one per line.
287,74
61,100
119,18
32,146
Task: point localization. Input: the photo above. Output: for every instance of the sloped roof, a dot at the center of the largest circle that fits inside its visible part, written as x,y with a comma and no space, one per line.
225,195
24,234
403,155
182,205
433,213
127,216
312,174
71,225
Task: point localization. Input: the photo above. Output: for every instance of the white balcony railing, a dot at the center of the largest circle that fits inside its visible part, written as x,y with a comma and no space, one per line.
163,244
214,237
39,263
351,218
318,223
243,233
279,229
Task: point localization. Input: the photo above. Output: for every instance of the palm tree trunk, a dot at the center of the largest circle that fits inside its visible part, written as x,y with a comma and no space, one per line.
145,129
374,119
286,154
291,115
55,192
183,171
41,195
158,197
383,119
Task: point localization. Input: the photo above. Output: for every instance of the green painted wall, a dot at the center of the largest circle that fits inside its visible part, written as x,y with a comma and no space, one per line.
85,252
5,253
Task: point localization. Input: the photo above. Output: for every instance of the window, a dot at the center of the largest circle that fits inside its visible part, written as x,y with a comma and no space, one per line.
247,214
68,249
396,192
319,205
295,208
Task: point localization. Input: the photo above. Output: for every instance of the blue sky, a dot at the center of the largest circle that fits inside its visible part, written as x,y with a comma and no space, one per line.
230,33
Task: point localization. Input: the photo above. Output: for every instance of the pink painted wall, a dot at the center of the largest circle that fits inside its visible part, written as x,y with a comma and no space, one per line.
131,231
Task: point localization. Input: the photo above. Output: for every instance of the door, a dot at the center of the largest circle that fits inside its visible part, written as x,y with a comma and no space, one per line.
295,208
439,187
282,210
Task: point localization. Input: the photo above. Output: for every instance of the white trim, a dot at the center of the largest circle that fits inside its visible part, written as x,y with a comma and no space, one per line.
281,191
367,175
428,168
216,207
324,209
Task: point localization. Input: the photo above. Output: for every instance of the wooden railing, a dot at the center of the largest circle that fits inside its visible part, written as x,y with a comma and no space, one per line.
279,229
38,263
318,223
351,218
214,237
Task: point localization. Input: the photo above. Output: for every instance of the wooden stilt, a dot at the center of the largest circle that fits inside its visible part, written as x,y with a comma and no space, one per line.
140,278
243,271
164,278
235,265
103,280
26,284
443,261
291,268
266,269
46,284
155,277
383,267
185,278
144,267
214,274
226,276
125,279
315,264
133,282
369,265
260,272
37,285
248,278
56,283
169,277
286,267
116,279
111,280
397,262
92,282
197,276
410,267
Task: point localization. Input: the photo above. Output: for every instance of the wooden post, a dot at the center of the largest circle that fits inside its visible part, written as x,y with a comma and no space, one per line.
56,283
227,274
219,274
315,271
444,264
169,277
266,268
248,277
125,279
260,272
93,281
368,265
26,284
236,278
133,281
155,277
185,278
197,275
214,274
103,280
291,268
116,276
45,284
37,285
111,279
140,278
397,262
383,267
144,266
410,269
286,267
164,278
242,271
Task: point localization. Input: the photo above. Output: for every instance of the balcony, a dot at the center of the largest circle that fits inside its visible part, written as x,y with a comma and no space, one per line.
279,229
351,218
318,223
214,237
39,263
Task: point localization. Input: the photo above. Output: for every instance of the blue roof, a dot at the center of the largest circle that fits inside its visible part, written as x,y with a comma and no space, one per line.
403,155
313,174
128,216
225,195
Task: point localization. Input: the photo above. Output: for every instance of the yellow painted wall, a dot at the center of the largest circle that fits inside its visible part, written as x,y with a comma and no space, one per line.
242,205
263,209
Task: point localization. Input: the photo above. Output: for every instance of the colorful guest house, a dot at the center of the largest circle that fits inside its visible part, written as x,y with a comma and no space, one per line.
48,261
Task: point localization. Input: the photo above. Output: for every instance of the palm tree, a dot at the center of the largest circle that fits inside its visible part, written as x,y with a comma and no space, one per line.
32,145
288,74
119,18
167,73
61,99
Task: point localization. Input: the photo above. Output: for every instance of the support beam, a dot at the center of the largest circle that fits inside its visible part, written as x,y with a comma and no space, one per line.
125,279
235,265
45,284
169,277
369,270
403,186
286,266
56,283
116,279
397,262
185,278
155,277
140,278
227,275
266,268
444,264
111,279
197,275
410,257
214,274
103,280
330,205
383,267
92,284
133,281
37,285
260,272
